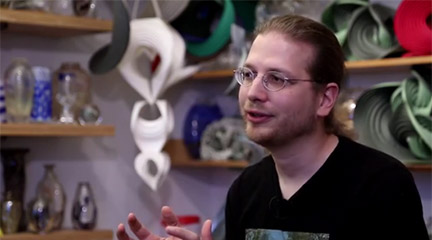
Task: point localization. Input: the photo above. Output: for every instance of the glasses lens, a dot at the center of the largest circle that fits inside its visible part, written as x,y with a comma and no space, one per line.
244,76
274,81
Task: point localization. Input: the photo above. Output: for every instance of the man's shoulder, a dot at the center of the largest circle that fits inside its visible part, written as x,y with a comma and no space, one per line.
368,158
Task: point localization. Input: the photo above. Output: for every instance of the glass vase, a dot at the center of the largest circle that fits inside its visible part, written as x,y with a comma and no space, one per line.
19,87
51,190
11,212
38,215
14,178
199,116
71,91
84,209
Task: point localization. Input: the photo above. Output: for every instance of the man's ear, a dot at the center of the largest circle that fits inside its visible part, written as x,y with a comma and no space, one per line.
328,97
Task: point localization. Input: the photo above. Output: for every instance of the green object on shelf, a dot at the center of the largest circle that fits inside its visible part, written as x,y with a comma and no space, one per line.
369,34
219,37
338,14
364,30
396,118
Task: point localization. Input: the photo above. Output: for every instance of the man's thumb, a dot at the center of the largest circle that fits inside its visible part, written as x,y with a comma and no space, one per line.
206,230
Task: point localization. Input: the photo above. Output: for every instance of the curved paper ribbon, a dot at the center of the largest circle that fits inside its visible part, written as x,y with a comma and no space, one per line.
368,35
396,118
363,29
152,36
338,14
148,36
107,58
169,9
412,107
218,38
411,26
152,165
372,115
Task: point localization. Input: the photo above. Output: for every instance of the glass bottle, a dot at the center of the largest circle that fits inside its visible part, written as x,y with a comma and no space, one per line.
19,87
11,212
51,190
84,209
71,91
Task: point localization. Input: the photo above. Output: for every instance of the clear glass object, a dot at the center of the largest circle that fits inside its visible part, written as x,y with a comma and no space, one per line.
19,84
84,209
66,95
38,216
51,190
90,115
10,213
62,7
71,89
84,8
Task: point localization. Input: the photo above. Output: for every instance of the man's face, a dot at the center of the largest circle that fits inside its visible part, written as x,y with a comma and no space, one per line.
277,118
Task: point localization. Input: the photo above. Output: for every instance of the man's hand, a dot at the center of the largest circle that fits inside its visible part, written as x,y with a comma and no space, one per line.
173,228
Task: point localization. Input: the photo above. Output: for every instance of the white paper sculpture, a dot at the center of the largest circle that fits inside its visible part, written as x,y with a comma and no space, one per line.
152,120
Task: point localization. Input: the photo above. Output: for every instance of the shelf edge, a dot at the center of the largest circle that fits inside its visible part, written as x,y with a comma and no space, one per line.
351,66
52,130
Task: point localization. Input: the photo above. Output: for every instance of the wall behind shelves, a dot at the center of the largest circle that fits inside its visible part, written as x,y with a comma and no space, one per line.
107,162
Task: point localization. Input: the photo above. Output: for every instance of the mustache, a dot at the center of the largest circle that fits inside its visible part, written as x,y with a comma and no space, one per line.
250,104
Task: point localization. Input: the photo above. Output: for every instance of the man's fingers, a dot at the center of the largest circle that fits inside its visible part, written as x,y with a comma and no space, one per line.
137,228
168,217
206,230
121,232
182,233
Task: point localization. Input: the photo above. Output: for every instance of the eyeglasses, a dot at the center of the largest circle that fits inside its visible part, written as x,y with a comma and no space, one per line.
272,80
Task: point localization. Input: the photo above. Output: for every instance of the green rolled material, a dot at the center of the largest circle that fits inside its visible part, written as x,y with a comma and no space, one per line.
396,118
364,30
219,37
338,15
412,104
369,37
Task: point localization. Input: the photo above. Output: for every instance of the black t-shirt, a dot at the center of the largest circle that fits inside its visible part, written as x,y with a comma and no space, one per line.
358,193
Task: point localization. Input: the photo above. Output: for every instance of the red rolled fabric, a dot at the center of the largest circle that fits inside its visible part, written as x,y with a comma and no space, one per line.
412,26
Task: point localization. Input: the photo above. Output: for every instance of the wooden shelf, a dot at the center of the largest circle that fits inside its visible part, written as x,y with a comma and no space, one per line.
388,62
49,130
181,158
48,24
419,167
354,65
63,235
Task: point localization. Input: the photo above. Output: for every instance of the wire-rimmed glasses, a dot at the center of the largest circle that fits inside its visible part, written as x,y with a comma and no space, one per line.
272,80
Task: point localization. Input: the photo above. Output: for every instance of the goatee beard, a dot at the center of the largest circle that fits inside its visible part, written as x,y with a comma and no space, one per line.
276,137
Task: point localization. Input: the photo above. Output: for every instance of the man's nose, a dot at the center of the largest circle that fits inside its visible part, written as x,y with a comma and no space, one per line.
257,91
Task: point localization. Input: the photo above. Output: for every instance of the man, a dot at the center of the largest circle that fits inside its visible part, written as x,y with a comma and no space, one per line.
316,184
